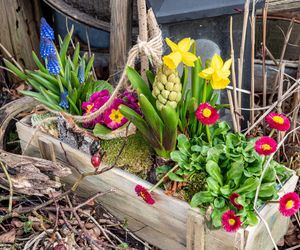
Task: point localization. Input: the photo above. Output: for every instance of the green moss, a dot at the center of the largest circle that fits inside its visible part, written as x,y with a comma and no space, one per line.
136,156
195,185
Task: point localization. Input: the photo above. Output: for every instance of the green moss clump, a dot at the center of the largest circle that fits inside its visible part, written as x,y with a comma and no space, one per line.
136,157
196,184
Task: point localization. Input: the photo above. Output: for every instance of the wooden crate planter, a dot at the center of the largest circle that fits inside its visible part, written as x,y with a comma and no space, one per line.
170,223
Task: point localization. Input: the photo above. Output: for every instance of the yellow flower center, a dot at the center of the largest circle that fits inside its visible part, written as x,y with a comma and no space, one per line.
231,222
289,204
278,119
89,108
206,112
116,116
266,147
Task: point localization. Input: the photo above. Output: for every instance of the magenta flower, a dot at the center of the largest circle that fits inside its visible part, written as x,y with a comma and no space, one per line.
112,116
278,121
233,199
289,204
144,193
96,101
207,114
230,221
265,145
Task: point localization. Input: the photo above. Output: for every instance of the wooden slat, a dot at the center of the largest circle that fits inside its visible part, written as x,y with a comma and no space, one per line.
46,149
283,5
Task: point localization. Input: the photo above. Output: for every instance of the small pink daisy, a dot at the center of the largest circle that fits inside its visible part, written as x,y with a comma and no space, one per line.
289,204
278,121
230,221
265,145
233,199
207,114
144,193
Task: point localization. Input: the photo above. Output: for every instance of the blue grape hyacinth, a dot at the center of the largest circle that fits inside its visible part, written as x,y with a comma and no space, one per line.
53,64
46,47
45,30
81,74
64,100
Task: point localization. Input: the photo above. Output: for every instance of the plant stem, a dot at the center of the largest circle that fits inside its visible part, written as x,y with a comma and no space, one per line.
204,91
272,132
208,135
162,179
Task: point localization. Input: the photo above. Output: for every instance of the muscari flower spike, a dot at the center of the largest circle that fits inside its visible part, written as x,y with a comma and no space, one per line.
45,30
230,221
233,199
81,74
207,114
53,64
265,145
144,193
278,121
289,204
46,47
63,100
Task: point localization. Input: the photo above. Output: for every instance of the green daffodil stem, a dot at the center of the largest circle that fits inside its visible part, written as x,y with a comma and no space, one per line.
208,135
204,92
162,179
272,132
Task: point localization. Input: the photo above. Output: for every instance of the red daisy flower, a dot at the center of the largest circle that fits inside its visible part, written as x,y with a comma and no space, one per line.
233,199
230,221
278,121
144,193
289,204
265,145
207,114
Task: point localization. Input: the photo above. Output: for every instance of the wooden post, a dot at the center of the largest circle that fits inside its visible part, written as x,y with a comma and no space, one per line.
19,29
120,36
143,34
195,232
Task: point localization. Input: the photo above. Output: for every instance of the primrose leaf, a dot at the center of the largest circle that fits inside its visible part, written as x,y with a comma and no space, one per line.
251,218
219,202
214,171
248,186
213,185
201,197
175,177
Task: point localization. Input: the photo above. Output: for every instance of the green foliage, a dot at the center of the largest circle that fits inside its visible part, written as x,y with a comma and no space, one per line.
158,127
48,88
231,165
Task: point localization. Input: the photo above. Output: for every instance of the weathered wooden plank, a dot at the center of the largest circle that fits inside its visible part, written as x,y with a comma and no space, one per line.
120,35
19,29
151,235
283,5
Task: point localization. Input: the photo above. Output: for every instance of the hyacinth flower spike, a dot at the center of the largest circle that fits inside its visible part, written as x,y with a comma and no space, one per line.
45,30
64,100
53,64
46,47
81,73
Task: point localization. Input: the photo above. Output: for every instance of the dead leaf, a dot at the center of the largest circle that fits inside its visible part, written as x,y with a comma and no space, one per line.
17,223
8,237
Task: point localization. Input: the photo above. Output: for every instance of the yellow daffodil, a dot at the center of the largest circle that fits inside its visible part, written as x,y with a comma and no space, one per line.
180,53
217,73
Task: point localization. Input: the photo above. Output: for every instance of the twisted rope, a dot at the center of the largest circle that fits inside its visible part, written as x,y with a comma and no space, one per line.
152,49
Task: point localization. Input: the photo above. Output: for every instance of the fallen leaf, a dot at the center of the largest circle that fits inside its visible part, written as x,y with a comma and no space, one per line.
8,237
